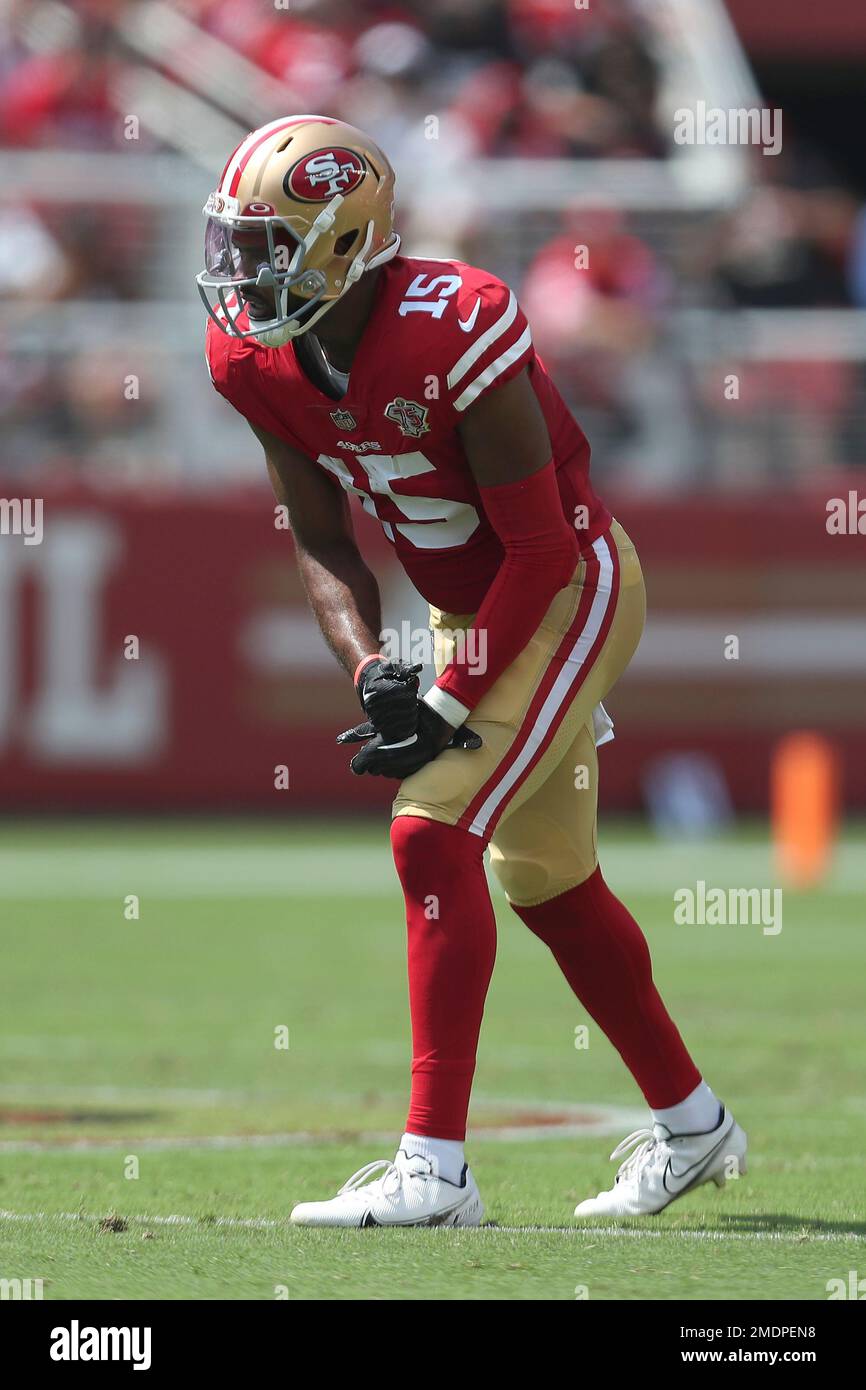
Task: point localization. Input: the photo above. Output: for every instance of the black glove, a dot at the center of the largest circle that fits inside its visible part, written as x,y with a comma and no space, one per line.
388,691
433,735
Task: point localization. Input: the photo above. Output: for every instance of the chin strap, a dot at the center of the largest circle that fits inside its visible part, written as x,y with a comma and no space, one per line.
278,337
386,254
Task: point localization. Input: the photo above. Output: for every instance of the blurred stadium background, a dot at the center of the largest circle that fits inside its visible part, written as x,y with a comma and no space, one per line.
180,907
520,130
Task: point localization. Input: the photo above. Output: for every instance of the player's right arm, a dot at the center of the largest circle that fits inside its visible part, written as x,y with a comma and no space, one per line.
341,590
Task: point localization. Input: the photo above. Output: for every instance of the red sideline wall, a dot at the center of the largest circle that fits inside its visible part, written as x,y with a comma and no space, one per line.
232,680
798,29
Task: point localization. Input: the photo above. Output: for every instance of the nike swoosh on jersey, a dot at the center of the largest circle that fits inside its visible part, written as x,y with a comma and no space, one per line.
470,322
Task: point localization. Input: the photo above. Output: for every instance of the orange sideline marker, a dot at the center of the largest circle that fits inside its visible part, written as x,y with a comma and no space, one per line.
804,807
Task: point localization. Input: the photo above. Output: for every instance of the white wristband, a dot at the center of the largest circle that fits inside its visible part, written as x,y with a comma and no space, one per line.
445,705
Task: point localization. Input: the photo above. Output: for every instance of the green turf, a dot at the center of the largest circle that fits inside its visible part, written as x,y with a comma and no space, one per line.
152,1039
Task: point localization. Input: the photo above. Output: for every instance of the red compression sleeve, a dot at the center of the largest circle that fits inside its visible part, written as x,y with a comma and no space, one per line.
541,553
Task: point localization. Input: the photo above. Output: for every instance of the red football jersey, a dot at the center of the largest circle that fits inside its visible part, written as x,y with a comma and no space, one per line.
440,333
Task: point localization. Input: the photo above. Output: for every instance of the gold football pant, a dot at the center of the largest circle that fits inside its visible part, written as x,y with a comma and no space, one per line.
531,790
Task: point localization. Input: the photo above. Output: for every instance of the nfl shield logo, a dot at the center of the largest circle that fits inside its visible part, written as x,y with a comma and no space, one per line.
409,415
343,420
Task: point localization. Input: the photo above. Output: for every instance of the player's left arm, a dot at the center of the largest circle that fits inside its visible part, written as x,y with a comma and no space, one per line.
504,434
508,449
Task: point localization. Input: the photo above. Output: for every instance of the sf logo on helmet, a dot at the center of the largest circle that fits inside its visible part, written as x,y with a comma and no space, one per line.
320,175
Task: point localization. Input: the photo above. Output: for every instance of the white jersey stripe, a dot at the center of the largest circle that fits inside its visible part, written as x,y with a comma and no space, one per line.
559,692
494,370
480,346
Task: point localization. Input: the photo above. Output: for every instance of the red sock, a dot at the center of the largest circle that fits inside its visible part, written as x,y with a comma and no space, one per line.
452,946
603,954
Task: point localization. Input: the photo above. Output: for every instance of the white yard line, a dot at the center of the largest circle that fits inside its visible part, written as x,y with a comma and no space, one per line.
259,1223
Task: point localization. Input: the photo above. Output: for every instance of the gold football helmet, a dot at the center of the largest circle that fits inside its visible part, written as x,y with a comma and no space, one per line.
304,206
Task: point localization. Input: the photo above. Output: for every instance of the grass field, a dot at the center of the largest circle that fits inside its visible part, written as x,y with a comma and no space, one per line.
153,1138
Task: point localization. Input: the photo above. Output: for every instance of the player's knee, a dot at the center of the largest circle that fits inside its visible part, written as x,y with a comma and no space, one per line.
557,900
530,879
426,847
524,880
409,835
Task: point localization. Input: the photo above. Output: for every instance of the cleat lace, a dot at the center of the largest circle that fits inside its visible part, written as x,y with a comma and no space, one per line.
390,1181
647,1143
377,1166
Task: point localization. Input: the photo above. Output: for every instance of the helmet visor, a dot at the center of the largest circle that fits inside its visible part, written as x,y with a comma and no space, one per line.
257,264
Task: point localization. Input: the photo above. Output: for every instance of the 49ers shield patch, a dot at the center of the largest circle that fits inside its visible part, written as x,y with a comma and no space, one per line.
409,415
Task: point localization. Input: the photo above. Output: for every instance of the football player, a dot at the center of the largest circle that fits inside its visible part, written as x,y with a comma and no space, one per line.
413,385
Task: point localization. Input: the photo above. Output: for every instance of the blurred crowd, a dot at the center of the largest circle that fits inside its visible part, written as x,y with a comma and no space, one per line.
513,78
795,240
519,77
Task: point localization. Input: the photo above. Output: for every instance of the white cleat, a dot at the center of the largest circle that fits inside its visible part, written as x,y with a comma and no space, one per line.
408,1193
665,1166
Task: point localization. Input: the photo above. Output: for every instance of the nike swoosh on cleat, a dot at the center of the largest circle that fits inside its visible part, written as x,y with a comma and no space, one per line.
700,1165
437,1218
469,324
